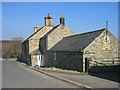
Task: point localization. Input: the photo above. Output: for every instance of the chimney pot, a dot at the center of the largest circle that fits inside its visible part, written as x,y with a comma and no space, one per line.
48,20
36,28
62,19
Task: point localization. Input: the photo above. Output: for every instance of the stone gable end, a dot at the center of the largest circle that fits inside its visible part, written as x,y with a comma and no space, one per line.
58,34
102,48
34,40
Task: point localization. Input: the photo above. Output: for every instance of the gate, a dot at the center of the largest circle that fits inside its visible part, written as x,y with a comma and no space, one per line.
103,64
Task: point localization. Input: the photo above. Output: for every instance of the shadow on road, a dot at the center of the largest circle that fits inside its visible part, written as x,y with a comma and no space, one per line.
106,72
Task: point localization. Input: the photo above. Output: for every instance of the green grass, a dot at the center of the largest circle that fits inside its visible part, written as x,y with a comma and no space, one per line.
69,72
1,58
12,59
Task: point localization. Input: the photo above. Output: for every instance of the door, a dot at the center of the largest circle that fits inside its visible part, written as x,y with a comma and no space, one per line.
86,64
39,60
42,60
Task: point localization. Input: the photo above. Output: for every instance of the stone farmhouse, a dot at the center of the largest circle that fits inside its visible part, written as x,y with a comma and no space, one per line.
58,46
50,34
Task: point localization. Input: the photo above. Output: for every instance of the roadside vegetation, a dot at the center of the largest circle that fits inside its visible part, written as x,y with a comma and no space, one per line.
53,69
11,48
1,58
12,59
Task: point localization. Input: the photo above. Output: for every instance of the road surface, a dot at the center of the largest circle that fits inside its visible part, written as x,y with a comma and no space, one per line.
16,76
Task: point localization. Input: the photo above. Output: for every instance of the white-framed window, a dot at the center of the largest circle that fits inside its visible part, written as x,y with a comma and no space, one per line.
39,57
54,56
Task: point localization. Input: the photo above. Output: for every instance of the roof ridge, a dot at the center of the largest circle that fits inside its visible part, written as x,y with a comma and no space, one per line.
86,32
33,34
50,30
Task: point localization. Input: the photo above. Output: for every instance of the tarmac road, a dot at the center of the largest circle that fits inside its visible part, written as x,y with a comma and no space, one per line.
16,76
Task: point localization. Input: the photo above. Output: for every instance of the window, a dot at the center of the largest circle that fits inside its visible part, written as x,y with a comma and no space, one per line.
54,56
39,57
26,44
25,48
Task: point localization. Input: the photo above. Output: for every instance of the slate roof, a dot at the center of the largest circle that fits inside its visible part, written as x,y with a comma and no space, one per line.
39,30
76,42
36,52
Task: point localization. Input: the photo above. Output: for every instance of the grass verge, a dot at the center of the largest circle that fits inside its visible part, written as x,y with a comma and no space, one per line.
12,59
57,70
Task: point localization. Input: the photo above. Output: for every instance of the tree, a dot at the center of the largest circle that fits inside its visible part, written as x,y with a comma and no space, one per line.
18,38
15,48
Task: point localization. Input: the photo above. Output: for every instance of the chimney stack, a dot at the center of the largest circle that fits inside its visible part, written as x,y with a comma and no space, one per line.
48,20
36,28
62,19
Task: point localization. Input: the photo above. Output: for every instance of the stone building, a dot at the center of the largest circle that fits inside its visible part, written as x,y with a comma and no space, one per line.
83,51
32,42
35,46
58,46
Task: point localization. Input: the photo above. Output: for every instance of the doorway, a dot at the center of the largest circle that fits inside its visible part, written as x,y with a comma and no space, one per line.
86,64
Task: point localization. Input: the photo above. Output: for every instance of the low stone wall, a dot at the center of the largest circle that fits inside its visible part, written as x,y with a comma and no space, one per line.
115,68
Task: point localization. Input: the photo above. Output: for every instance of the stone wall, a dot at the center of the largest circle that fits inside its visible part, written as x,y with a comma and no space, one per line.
33,43
34,40
68,60
42,45
48,59
25,51
49,41
55,36
105,45
34,60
